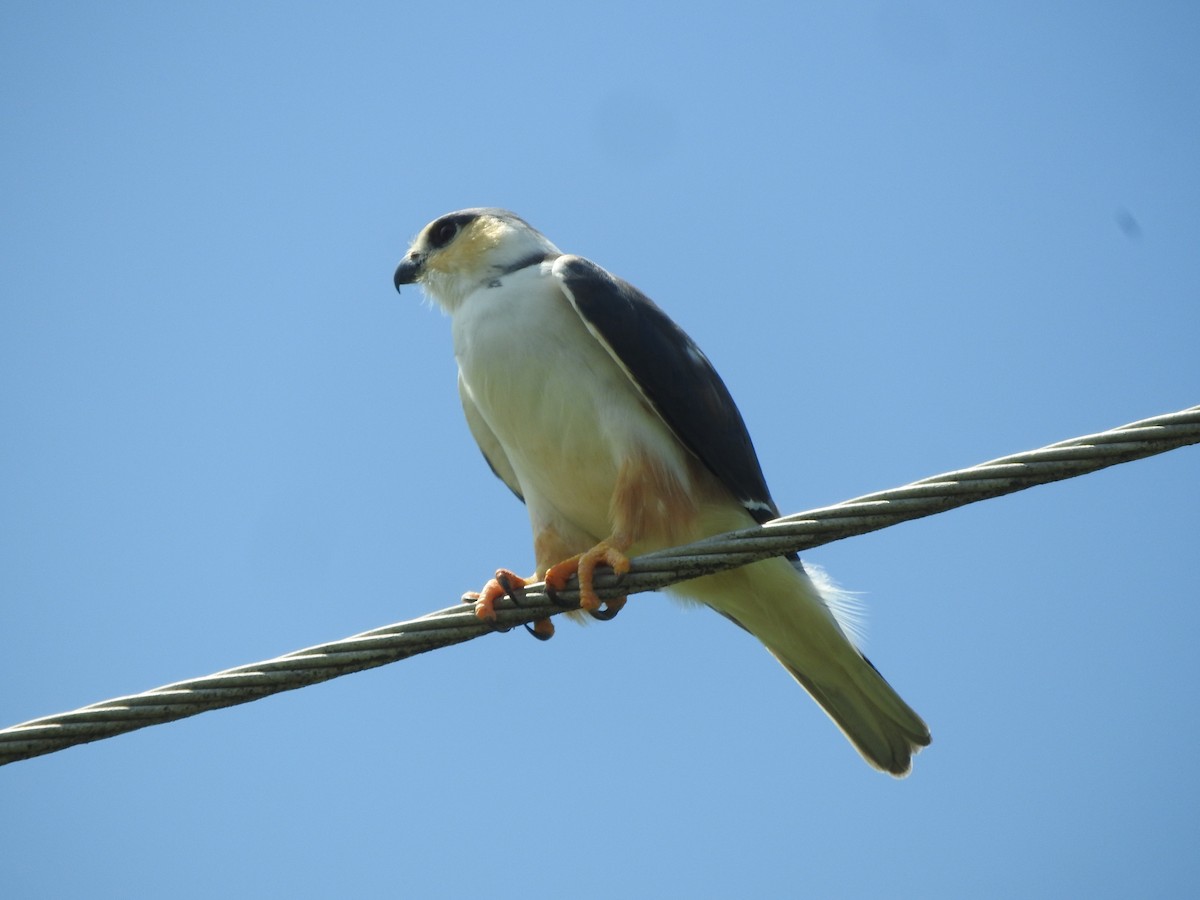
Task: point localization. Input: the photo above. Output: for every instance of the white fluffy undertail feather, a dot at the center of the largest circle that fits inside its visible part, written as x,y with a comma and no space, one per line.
782,607
847,609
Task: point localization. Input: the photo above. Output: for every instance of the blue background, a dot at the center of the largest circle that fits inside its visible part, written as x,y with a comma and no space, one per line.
912,237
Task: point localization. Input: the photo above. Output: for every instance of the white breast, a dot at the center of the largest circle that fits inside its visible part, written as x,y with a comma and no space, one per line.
563,410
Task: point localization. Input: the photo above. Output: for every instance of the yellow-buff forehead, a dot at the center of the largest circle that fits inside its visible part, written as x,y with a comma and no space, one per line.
470,247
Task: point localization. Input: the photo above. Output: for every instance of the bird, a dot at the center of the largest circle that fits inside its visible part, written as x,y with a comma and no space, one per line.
617,433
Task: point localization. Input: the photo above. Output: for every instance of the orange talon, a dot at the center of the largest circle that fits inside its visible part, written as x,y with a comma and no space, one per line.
505,584
559,574
610,553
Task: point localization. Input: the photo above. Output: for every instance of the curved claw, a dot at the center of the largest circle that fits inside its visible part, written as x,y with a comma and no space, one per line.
542,629
609,610
553,595
512,585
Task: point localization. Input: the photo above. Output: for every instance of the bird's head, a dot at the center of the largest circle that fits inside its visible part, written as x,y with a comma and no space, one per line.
460,251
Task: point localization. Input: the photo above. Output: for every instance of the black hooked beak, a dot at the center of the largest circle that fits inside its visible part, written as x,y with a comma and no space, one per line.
409,269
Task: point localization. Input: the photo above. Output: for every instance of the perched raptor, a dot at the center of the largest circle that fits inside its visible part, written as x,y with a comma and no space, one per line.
605,418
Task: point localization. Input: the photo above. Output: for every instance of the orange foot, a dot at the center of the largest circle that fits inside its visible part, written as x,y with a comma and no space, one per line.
506,584
610,553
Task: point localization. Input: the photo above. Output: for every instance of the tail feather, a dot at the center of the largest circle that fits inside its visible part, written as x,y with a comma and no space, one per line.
873,718
782,607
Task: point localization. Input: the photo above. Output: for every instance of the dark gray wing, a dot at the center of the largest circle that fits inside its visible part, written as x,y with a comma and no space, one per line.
676,379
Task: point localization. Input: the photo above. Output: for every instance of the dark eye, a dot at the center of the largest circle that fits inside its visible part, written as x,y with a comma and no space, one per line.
443,233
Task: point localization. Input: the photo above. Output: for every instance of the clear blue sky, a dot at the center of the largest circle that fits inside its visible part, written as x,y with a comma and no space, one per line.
912,237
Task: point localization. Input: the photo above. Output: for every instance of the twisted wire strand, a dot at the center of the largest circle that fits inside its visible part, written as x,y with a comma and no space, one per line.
458,623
